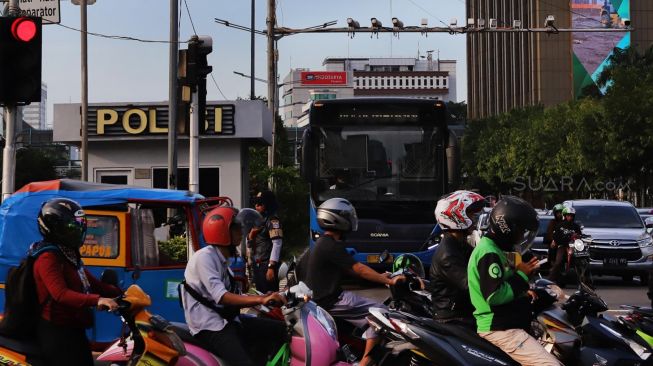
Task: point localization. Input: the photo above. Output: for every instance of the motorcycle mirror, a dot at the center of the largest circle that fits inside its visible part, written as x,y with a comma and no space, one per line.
649,222
384,256
137,273
109,276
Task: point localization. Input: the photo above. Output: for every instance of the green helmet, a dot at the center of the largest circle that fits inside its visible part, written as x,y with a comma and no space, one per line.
408,262
569,211
558,208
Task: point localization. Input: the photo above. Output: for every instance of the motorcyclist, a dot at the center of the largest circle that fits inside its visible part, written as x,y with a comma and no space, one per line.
212,304
498,291
551,227
562,236
457,214
328,262
66,290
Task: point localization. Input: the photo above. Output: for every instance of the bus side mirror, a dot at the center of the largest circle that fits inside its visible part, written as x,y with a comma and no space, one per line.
307,167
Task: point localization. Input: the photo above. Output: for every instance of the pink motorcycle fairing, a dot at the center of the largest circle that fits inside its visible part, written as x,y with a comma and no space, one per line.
322,347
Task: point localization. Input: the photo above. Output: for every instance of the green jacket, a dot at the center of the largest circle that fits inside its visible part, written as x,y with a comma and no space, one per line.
498,292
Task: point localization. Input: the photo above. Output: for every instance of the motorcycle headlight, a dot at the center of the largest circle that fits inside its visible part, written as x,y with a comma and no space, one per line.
579,245
645,240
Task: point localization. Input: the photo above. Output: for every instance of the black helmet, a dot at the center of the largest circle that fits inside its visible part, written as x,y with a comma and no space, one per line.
62,221
268,199
337,214
513,223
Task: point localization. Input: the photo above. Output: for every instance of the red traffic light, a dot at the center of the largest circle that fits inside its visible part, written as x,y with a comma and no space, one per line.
23,29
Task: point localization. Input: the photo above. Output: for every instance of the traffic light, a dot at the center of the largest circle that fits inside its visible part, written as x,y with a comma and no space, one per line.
197,66
20,60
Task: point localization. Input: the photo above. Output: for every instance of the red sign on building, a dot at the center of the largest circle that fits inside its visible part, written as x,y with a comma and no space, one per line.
324,78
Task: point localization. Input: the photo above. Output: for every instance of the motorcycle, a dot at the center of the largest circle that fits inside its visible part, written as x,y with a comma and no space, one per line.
577,334
152,340
578,260
412,337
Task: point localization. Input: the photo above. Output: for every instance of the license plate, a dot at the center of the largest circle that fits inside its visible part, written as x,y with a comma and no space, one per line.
615,261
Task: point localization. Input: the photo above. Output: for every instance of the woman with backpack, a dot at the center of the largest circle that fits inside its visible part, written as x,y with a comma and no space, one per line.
66,291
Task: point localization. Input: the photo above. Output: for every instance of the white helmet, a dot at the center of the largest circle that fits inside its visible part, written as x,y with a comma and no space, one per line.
337,214
451,211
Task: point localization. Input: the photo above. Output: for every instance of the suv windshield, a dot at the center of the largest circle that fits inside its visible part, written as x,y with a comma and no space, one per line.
609,217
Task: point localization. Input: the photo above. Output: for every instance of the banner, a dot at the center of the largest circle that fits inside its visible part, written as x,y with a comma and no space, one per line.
324,78
592,50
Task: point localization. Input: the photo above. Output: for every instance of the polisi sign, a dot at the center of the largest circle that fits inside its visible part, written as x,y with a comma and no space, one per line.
324,78
109,121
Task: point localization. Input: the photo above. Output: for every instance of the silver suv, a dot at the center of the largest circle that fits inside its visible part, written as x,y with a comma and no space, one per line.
619,243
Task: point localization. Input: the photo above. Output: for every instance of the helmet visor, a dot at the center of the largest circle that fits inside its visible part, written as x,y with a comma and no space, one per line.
525,242
74,232
354,220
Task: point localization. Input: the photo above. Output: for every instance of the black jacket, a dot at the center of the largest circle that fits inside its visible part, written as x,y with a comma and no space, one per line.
565,231
449,289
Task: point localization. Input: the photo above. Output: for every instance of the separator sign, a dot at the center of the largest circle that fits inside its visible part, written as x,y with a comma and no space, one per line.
46,9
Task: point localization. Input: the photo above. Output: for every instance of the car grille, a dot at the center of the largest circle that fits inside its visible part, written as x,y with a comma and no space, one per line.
630,253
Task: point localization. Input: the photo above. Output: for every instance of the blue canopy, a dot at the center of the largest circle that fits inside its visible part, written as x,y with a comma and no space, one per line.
18,227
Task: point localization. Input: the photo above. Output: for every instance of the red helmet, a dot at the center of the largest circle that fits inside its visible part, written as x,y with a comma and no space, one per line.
216,226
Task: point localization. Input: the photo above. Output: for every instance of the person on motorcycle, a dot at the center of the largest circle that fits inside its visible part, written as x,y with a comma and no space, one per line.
212,306
498,292
551,227
457,214
66,290
563,235
265,243
329,261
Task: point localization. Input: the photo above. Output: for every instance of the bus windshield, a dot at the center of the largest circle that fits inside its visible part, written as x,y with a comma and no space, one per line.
383,163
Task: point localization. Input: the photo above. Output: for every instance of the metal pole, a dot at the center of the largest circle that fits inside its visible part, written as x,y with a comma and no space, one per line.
252,93
172,96
84,63
272,77
194,142
9,153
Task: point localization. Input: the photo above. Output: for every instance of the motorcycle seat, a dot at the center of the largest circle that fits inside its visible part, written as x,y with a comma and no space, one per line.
26,348
464,334
181,329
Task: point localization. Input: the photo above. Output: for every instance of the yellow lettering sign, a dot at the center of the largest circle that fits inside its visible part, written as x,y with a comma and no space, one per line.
142,121
217,127
105,117
153,127
95,251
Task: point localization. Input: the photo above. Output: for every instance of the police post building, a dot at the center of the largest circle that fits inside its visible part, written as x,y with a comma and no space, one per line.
128,144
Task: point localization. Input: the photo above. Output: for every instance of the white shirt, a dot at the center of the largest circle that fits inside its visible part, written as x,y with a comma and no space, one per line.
207,273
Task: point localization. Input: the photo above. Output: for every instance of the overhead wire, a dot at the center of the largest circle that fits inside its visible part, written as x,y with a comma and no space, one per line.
115,37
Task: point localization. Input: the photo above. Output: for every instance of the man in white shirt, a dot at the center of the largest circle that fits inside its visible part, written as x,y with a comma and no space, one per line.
211,306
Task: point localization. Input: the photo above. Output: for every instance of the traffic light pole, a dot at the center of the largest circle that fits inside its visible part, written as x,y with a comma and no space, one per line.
84,62
9,152
172,96
194,142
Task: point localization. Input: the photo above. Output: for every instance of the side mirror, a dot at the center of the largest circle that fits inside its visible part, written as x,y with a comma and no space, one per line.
649,222
307,168
109,276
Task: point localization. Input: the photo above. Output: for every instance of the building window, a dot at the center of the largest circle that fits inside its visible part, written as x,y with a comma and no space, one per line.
444,82
431,82
113,176
437,82
209,180
412,82
376,82
419,82
382,82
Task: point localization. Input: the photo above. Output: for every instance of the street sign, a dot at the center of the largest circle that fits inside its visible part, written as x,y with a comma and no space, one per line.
46,9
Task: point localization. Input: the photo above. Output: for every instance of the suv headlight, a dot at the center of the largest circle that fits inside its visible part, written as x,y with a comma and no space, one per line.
645,240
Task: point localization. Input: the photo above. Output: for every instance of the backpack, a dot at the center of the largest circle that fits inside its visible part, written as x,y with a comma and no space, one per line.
22,309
